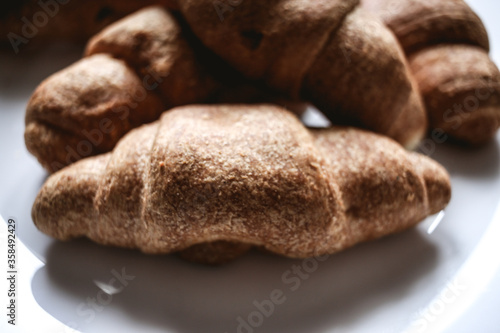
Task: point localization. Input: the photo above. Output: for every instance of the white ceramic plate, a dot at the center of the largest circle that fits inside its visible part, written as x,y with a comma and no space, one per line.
447,280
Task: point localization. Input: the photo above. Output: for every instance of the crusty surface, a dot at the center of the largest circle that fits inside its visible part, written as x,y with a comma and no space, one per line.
86,108
355,75
319,52
259,35
135,69
245,175
384,188
447,45
420,23
461,85
152,41
357,79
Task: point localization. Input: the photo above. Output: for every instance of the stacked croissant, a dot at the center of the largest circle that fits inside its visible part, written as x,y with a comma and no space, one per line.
225,168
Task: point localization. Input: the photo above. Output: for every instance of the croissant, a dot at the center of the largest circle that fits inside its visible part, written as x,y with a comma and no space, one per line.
371,87
85,109
330,52
134,70
214,181
447,46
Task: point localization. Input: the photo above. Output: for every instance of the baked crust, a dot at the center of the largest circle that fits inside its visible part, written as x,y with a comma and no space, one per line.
248,175
447,46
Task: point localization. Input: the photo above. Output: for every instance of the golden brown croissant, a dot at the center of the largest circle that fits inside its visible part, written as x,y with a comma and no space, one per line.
370,87
215,180
448,46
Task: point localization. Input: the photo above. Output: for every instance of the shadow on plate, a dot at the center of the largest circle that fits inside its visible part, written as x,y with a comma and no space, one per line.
475,162
80,287
22,191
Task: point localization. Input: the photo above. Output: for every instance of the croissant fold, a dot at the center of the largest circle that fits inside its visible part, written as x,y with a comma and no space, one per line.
205,179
